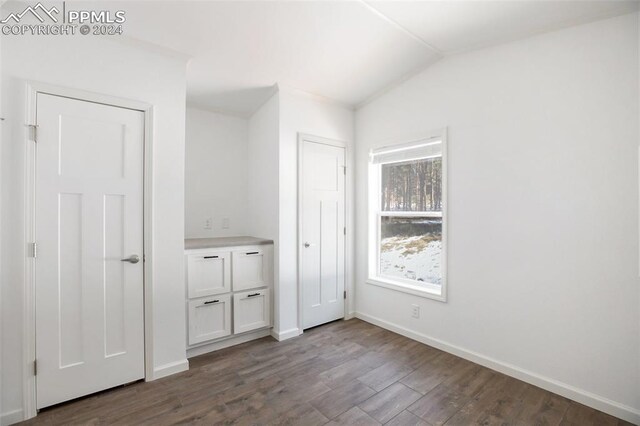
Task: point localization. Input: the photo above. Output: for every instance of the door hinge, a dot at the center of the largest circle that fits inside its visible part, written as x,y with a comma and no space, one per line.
345,170
34,132
345,294
33,250
35,367
344,230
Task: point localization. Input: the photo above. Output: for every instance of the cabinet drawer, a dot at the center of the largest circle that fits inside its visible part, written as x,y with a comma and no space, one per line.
208,273
209,318
251,310
249,269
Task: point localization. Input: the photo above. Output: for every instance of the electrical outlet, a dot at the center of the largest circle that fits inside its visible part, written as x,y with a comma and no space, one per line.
415,311
225,223
208,223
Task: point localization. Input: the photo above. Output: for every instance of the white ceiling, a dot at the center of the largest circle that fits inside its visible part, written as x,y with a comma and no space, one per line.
456,26
347,51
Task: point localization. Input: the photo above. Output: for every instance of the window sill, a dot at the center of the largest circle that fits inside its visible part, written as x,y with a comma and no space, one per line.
440,296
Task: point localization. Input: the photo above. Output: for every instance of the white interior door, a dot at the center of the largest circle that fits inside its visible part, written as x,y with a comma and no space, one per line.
322,183
89,216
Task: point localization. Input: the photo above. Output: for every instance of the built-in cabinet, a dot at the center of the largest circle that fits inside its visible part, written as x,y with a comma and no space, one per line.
250,269
229,289
252,310
209,318
209,273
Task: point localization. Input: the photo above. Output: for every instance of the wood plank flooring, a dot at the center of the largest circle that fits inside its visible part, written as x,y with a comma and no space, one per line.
343,373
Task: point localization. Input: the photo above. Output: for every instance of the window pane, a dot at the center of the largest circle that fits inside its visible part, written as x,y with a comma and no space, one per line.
411,248
412,185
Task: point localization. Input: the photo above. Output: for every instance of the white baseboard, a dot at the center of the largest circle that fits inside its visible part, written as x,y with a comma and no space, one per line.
579,395
11,417
232,341
349,315
284,335
169,369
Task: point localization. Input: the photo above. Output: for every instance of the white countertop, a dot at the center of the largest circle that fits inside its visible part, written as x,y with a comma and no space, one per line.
200,243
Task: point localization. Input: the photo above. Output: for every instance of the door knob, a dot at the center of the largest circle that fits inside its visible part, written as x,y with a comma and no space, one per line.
134,258
307,245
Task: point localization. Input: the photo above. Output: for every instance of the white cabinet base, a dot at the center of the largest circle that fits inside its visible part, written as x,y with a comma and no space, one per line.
228,296
226,342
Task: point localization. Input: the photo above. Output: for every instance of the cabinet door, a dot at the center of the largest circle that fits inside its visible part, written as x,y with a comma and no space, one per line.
208,273
249,269
251,310
209,318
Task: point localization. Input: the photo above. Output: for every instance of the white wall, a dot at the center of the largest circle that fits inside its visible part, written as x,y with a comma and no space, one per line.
263,164
302,113
543,254
273,190
263,188
101,66
2,230
215,174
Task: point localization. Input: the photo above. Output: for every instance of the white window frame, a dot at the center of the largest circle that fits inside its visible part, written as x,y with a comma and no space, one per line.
427,290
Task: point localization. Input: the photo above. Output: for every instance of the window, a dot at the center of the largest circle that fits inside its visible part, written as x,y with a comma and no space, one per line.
407,244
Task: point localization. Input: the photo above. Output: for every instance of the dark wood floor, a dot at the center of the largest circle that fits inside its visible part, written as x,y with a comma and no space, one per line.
343,373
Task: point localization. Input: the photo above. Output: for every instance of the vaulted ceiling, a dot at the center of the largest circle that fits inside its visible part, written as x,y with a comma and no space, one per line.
347,51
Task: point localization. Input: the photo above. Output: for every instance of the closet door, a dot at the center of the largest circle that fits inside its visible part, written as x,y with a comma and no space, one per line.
89,230
322,232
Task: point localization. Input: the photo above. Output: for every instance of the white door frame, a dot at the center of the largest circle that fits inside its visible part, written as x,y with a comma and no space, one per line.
29,311
302,138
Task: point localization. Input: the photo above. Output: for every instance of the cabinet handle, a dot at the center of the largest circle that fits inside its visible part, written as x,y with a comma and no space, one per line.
211,301
211,257
254,294
252,252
